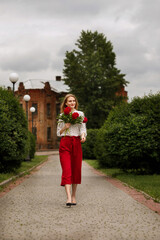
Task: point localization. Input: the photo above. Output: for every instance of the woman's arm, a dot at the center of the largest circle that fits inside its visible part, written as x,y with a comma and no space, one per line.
83,138
61,127
83,131
66,126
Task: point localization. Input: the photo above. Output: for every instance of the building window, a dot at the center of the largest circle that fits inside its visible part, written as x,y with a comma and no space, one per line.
35,132
48,109
35,105
21,105
48,133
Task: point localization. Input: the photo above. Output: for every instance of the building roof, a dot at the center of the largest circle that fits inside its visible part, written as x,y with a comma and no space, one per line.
56,86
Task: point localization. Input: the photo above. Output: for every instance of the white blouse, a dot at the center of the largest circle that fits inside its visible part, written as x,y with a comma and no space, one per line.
74,130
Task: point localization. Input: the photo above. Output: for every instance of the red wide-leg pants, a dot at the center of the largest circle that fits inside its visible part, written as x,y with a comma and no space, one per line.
70,151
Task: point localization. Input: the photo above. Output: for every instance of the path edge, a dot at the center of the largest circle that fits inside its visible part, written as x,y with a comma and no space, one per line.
136,194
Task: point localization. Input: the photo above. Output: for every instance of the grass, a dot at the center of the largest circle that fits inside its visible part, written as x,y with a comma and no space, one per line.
25,166
149,184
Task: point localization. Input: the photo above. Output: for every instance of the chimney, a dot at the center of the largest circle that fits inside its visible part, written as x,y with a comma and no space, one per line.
58,78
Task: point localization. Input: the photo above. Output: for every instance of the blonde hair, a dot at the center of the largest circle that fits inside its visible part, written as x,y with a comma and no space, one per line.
63,104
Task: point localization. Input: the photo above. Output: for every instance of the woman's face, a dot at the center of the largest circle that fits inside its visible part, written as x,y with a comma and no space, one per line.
71,102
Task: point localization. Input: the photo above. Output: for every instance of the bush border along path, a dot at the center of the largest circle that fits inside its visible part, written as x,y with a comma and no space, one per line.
138,195
22,173
10,183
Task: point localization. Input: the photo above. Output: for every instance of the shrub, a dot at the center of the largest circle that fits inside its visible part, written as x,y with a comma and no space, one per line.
32,143
102,145
131,136
88,146
100,148
13,132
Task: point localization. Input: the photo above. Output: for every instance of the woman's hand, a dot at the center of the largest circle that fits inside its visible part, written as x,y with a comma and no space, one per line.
83,138
67,125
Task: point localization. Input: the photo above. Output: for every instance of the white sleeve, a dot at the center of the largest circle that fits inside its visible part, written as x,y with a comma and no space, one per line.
59,127
83,127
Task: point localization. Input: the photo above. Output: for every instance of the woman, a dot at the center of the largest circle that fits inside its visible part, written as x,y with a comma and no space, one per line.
70,149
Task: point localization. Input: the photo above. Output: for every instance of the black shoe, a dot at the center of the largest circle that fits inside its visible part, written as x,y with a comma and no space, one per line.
74,204
68,204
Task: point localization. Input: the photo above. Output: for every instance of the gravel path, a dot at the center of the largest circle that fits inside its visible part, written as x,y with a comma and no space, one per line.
35,210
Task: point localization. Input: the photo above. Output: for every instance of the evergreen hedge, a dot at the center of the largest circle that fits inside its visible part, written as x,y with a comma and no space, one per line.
88,146
130,137
14,144
32,145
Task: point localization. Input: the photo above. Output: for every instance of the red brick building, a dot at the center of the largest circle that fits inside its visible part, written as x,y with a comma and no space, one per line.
44,96
122,93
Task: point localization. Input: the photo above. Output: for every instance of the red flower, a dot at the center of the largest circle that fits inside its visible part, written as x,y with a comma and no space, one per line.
85,120
75,115
67,110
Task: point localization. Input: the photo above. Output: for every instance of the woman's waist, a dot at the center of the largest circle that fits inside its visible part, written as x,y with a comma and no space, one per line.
70,137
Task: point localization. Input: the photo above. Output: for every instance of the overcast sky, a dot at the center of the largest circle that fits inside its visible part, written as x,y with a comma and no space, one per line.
35,34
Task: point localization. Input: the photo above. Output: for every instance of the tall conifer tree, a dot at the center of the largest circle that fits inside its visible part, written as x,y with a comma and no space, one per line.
90,72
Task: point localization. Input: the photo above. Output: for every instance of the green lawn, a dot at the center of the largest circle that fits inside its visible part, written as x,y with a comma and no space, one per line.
25,166
149,184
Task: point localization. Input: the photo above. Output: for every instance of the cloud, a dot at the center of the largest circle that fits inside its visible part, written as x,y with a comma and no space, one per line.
51,8
57,64
36,34
24,59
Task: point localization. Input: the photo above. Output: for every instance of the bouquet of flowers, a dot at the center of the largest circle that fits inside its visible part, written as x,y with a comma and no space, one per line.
69,117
